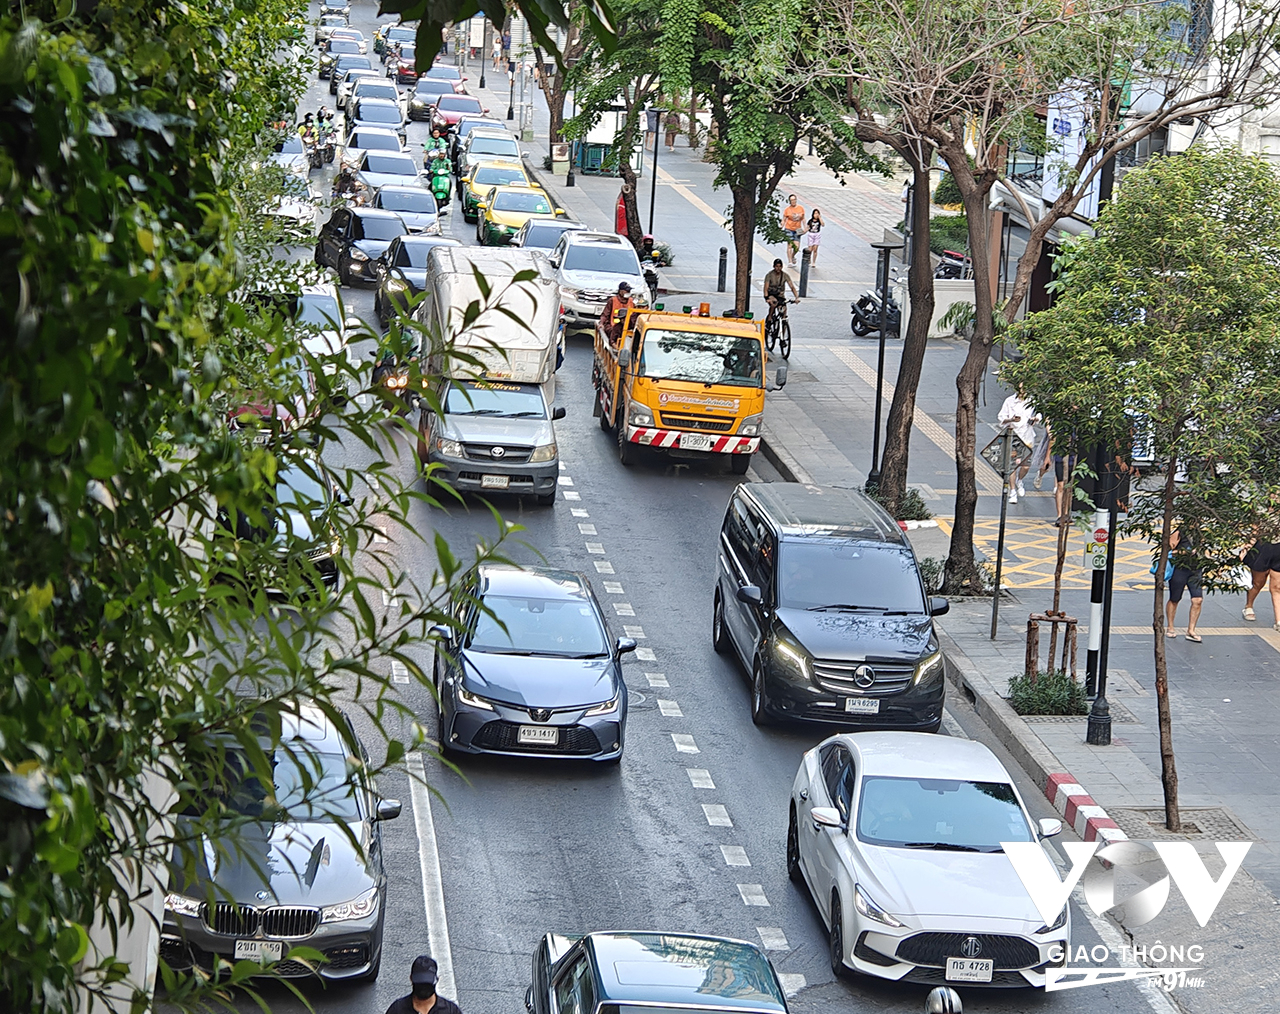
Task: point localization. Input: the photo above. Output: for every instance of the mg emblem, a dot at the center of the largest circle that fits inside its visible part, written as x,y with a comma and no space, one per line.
970,947
864,676
498,452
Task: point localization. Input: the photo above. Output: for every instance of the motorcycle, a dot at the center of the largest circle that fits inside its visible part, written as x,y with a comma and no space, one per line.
651,276
866,315
438,170
315,158
953,264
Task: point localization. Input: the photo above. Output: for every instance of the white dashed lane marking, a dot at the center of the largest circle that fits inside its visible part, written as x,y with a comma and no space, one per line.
684,743
380,535
578,512
670,709
700,778
586,529
734,855
753,895
570,494
646,655
399,674
623,609
595,548
773,938
603,567
613,588
717,815
791,983
565,481
656,679
634,630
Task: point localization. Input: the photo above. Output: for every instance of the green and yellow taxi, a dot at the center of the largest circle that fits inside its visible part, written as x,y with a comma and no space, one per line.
504,210
490,174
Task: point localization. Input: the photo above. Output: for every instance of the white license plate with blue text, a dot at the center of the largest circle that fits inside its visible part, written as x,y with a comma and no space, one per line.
862,705
539,735
262,951
695,441
969,969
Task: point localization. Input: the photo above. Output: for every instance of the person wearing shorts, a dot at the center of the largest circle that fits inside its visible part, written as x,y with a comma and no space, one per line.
1186,577
793,226
1263,561
1063,466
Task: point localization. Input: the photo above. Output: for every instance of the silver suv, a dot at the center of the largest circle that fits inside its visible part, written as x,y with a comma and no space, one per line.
589,268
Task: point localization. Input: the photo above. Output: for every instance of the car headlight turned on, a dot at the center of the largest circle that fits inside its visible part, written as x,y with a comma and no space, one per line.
791,656
180,904
640,416
930,670
449,448
750,426
870,910
358,908
357,254
544,452
472,700
605,708
1058,923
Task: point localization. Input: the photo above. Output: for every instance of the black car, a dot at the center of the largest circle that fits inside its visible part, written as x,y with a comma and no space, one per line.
819,594
426,93
335,48
354,238
370,112
533,673
344,63
402,271
306,870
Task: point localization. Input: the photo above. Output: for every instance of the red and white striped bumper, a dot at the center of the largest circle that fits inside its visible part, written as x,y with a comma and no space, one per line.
651,437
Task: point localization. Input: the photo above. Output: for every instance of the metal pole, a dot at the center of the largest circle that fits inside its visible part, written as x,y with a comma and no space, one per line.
805,254
724,268
653,183
511,100
1004,514
1098,732
1100,517
484,56
882,271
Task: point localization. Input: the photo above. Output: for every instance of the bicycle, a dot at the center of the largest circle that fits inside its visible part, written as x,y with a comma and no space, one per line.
777,329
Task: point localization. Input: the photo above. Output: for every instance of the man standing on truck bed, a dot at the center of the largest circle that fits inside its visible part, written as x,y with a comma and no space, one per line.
615,310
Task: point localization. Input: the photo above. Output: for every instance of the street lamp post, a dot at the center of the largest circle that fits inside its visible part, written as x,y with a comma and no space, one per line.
1098,731
882,277
484,55
653,183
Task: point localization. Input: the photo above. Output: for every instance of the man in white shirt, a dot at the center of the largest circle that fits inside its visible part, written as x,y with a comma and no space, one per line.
1018,416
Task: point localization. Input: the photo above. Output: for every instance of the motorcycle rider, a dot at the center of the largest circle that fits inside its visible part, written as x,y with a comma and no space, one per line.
436,146
307,129
775,288
423,999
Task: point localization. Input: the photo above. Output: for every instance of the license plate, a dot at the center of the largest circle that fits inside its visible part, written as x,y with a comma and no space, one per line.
494,481
862,705
695,441
539,735
262,951
969,969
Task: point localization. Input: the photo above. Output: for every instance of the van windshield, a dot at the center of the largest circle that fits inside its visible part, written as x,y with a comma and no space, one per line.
701,358
843,576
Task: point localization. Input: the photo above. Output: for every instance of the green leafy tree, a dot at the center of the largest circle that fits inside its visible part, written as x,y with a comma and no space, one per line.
1165,330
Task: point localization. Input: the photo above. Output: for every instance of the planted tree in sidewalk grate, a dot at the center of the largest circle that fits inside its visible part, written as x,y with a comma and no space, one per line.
1114,78
1166,334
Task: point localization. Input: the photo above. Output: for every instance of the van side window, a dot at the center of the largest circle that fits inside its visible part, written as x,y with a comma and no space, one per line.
735,527
765,562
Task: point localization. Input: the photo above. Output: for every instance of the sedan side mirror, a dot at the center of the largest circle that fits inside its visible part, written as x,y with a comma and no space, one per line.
826,816
561,211
1049,827
939,605
388,809
557,412
444,633
625,644
749,594
779,378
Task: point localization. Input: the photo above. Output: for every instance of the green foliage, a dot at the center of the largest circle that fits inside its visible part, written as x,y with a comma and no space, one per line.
948,232
931,573
911,505
1047,693
1167,320
947,192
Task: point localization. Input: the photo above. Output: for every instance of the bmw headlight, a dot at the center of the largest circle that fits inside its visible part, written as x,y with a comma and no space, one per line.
791,656
180,904
640,416
930,670
605,708
750,426
357,254
472,700
395,284
358,908
544,452
1058,923
449,448
870,910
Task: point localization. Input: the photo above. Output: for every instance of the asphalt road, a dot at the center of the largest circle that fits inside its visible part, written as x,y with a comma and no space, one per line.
524,847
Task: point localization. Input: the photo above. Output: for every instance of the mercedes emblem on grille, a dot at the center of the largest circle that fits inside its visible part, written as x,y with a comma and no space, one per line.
540,714
864,676
970,947
497,452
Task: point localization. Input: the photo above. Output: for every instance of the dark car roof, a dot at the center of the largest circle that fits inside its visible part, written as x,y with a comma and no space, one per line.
373,213
540,582
685,970
804,511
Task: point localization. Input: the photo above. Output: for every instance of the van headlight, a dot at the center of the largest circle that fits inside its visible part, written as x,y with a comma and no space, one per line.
750,426
358,908
791,656
449,448
930,670
544,452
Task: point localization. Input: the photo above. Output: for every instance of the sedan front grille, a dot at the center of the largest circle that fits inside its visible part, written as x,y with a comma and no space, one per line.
290,922
511,454
933,949
231,920
574,739
696,422
839,677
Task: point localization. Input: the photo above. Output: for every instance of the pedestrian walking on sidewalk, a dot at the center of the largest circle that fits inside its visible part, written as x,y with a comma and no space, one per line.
1263,561
1187,576
672,123
813,238
1017,415
423,999
650,128
793,226
497,52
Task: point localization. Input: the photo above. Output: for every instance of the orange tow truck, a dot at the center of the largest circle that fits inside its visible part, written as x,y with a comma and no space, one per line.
688,384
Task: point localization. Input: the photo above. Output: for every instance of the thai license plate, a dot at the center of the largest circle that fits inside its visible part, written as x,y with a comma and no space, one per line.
539,735
494,481
695,441
262,951
969,969
862,705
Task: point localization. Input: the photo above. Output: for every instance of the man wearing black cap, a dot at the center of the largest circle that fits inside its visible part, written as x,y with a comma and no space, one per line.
615,310
423,998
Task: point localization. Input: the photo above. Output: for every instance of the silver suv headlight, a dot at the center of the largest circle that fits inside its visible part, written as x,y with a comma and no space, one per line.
544,452
449,448
180,904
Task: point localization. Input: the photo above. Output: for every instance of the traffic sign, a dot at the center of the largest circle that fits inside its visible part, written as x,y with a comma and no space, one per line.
1095,554
1100,535
993,453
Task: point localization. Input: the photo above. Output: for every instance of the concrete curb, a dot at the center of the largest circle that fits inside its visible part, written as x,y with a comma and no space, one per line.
780,458
1068,796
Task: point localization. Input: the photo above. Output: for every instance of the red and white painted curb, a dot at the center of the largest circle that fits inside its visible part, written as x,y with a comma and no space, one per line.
1087,818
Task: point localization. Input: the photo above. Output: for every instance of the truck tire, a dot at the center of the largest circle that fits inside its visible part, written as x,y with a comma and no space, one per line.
626,451
604,416
739,463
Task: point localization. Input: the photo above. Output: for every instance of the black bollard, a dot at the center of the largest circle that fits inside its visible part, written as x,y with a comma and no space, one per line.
804,271
724,268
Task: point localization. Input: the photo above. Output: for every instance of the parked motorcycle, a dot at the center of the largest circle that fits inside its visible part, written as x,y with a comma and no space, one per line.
866,315
953,264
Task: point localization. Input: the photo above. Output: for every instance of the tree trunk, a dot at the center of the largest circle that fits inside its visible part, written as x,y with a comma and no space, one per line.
961,569
897,436
744,231
1168,769
635,233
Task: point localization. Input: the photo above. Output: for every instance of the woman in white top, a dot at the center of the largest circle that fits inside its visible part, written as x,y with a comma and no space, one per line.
1018,416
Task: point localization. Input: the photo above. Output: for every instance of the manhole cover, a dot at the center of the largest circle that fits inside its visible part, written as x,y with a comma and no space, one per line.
1205,823
1119,715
